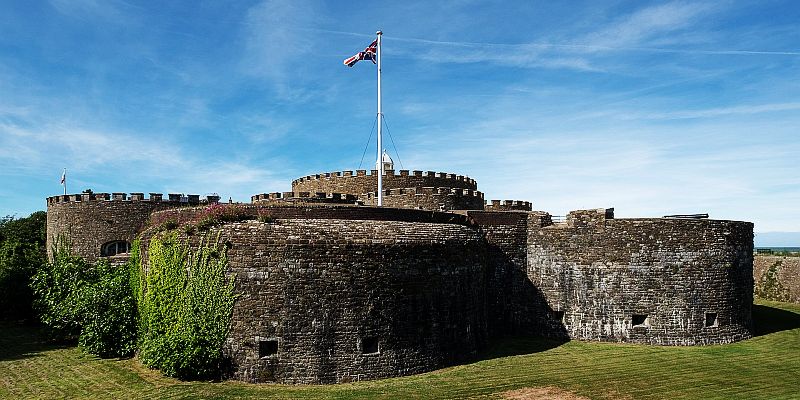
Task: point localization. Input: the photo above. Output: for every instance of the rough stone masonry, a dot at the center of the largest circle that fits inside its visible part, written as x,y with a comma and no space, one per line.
332,289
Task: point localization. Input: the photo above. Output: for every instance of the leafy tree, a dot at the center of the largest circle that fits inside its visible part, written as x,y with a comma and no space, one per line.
22,244
18,263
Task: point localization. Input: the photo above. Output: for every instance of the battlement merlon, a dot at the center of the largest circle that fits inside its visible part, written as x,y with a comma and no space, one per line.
173,198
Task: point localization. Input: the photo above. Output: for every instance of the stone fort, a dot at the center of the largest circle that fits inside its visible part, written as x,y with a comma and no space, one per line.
334,289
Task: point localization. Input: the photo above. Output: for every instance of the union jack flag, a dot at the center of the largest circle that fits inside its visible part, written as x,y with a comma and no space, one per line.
369,53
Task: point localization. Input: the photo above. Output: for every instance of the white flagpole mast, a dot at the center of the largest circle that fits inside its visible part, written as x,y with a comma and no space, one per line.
380,122
64,178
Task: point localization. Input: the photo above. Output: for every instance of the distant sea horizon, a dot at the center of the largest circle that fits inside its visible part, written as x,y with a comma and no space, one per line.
778,248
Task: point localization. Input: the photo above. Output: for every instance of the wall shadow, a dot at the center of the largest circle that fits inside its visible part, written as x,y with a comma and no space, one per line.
768,320
517,345
18,341
520,319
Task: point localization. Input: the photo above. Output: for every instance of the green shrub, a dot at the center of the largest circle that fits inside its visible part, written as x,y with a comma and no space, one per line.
56,293
92,304
185,305
109,324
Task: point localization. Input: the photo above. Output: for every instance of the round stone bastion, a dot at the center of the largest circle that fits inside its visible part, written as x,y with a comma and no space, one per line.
651,281
340,294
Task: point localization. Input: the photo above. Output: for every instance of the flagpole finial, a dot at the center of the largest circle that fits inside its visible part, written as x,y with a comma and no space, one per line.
379,33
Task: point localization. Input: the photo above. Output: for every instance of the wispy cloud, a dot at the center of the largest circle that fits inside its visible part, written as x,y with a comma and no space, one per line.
716,112
634,29
648,30
275,39
90,155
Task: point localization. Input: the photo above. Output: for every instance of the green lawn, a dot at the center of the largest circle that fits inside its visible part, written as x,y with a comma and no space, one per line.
765,367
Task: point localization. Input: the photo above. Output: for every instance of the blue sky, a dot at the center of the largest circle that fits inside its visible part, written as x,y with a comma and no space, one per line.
652,108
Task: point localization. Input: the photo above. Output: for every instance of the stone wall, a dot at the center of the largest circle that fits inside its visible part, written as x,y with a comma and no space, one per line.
429,198
361,182
656,281
90,220
777,278
515,306
508,205
334,300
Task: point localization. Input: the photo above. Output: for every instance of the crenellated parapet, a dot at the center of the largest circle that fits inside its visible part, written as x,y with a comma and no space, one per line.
507,205
174,198
303,197
429,198
362,181
92,222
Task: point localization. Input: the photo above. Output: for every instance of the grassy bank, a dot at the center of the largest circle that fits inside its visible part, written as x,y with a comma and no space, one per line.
765,367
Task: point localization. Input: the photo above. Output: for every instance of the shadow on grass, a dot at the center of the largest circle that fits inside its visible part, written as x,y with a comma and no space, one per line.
518,345
768,320
18,341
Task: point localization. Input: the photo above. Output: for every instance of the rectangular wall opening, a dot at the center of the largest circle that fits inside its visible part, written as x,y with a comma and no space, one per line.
268,347
369,345
639,320
557,315
711,319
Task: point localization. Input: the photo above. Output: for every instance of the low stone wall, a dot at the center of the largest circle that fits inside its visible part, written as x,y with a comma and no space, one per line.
655,281
777,278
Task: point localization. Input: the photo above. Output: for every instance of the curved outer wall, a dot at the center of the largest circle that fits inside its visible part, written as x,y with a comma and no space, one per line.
320,286
361,183
90,224
600,272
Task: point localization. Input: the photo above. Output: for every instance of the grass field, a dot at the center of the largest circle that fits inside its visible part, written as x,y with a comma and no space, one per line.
765,367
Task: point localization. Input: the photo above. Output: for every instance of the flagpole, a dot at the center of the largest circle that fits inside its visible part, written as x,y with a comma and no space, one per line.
380,122
65,181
